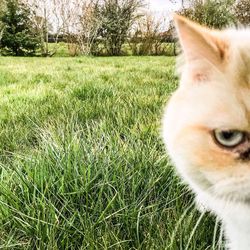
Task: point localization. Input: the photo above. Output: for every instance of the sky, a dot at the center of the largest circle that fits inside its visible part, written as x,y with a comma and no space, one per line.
164,5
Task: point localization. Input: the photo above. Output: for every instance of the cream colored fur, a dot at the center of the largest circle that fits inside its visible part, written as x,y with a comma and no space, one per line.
214,93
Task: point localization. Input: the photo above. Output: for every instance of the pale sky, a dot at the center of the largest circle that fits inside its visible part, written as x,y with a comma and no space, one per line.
164,5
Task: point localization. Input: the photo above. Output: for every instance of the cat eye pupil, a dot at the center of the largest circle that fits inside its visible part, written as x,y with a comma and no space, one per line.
227,135
229,138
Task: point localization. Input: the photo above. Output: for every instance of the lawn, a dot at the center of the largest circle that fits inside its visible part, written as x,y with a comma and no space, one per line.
83,165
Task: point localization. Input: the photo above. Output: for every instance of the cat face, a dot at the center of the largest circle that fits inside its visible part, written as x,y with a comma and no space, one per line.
207,120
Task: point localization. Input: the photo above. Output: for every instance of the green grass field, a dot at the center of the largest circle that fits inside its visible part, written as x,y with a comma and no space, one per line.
83,165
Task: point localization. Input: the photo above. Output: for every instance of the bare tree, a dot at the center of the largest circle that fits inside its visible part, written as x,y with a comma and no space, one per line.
42,18
71,20
89,28
147,37
67,18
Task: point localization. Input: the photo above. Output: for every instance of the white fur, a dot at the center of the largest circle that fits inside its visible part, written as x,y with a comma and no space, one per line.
219,100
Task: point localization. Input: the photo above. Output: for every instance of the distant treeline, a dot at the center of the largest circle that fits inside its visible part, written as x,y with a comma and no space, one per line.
104,27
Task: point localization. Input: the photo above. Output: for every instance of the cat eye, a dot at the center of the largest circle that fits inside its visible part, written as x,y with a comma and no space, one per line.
229,138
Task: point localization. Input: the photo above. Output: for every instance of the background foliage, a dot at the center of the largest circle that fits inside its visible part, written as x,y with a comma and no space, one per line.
212,13
104,27
18,35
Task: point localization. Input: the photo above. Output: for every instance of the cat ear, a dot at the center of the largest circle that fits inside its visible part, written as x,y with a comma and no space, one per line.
199,42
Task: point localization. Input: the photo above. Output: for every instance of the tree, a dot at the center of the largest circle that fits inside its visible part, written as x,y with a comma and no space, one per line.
117,18
90,28
2,10
18,37
212,13
66,15
40,19
54,19
242,11
147,38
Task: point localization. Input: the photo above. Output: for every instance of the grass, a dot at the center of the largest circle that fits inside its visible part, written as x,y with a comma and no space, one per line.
83,165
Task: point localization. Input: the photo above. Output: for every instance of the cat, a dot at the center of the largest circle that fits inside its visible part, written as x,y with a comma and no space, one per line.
206,125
